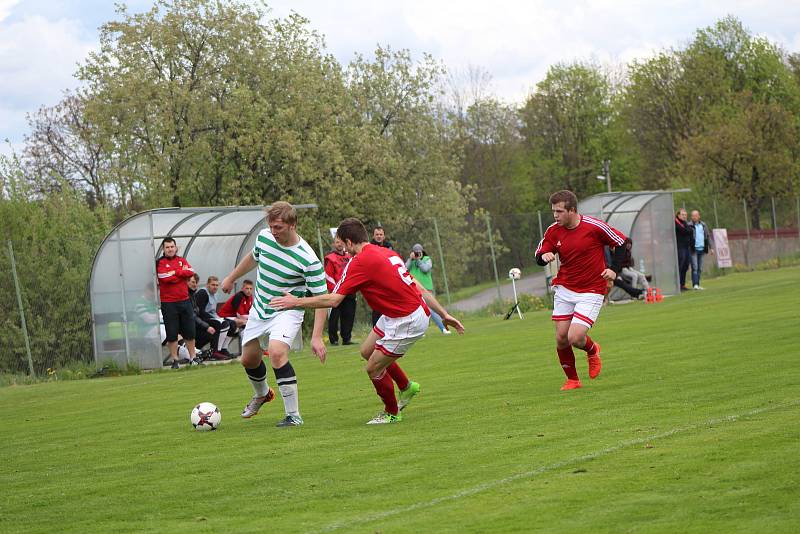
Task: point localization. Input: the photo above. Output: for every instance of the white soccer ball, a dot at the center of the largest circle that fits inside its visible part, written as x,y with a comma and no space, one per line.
205,416
515,274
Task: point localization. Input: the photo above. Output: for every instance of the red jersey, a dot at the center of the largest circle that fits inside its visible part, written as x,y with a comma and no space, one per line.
173,287
334,267
380,274
581,253
238,304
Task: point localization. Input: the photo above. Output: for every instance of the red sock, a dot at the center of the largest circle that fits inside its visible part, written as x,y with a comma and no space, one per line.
590,347
398,375
567,359
385,388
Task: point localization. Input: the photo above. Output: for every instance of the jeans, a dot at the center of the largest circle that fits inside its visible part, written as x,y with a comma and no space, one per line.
437,319
697,266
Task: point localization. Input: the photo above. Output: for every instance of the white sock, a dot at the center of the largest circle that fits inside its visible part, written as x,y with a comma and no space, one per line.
287,383
258,379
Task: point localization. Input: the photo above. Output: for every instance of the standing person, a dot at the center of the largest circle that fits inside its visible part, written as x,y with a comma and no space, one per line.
286,263
701,244
206,302
344,314
173,271
379,239
381,276
582,279
420,265
684,237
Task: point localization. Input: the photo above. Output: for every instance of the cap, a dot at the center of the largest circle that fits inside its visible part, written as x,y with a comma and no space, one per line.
417,248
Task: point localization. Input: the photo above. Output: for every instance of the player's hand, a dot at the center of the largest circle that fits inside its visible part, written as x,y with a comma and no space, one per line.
449,320
547,257
211,330
318,347
285,302
226,285
609,274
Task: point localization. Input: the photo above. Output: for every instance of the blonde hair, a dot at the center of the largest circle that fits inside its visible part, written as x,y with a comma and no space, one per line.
283,211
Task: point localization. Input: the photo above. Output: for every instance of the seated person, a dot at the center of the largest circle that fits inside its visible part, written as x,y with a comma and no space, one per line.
237,307
621,283
635,278
206,304
151,323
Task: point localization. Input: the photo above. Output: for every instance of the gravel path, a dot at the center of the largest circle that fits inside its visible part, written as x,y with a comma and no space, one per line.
533,284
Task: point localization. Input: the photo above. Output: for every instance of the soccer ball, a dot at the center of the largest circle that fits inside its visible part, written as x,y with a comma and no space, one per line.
515,274
205,416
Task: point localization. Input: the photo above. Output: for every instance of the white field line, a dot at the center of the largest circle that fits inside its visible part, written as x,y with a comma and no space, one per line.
547,468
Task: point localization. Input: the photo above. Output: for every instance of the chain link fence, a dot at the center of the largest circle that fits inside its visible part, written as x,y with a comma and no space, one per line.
46,321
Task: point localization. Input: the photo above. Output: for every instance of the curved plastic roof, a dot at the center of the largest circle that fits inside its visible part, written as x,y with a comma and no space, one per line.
213,240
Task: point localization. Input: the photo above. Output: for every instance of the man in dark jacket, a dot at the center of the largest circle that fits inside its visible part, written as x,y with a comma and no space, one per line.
684,237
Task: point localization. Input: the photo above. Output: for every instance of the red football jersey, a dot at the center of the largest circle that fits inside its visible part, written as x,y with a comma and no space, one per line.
380,274
173,287
581,253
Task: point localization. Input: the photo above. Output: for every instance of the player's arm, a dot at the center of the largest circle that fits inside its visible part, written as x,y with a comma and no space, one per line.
431,301
186,270
317,345
164,276
287,301
545,252
247,264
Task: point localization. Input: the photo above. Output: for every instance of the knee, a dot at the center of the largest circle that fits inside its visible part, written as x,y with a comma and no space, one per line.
577,340
373,370
251,356
278,358
562,341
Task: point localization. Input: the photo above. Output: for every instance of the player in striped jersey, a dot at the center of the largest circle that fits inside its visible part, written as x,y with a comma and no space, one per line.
286,263
582,279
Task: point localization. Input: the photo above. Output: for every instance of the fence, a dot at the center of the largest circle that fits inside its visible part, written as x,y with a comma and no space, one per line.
471,262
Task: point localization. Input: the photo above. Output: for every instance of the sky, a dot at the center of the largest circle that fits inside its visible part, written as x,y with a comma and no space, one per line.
43,41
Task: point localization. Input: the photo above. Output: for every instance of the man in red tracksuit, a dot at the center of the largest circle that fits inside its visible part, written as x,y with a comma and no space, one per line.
173,271
335,263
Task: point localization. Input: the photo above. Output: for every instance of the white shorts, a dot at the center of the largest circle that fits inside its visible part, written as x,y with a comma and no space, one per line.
284,326
398,334
581,308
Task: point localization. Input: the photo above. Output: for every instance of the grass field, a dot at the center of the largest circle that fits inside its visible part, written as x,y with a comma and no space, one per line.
694,426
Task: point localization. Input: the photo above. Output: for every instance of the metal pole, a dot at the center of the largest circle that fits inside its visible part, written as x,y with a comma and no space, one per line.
716,218
319,240
798,216
541,232
541,236
441,259
21,309
775,231
747,228
494,260
607,170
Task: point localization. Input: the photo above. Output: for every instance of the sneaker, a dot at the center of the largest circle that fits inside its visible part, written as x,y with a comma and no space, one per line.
384,418
348,342
571,384
175,365
197,361
446,331
697,287
594,362
290,420
407,394
256,403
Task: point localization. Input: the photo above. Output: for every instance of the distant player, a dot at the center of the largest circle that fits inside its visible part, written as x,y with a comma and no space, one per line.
286,263
582,279
380,274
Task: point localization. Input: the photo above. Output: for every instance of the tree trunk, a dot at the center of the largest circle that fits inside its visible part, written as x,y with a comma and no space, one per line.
754,201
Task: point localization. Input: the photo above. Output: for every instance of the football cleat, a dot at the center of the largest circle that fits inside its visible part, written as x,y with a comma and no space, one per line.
385,418
256,403
595,364
290,420
571,384
407,394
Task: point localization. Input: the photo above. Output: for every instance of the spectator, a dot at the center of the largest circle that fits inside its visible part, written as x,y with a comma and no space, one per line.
206,302
635,278
619,282
701,244
684,237
420,265
204,331
236,310
379,238
335,263
176,307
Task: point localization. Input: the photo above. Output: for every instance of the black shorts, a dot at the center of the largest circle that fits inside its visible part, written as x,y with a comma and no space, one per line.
178,318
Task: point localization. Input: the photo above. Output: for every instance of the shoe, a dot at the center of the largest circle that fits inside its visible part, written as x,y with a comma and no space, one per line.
256,403
697,287
571,384
407,394
175,365
290,420
220,356
446,331
347,343
684,288
384,418
595,364
334,342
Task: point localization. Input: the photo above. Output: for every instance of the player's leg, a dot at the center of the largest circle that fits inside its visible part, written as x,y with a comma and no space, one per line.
583,318
284,328
563,307
377,365
253,362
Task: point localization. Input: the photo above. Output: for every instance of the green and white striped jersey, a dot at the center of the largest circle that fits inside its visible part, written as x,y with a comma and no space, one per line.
294,269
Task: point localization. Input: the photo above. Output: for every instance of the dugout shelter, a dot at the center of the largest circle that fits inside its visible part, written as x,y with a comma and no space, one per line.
213,240
647,217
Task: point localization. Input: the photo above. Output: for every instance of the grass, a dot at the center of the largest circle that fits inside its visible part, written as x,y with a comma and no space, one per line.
693,426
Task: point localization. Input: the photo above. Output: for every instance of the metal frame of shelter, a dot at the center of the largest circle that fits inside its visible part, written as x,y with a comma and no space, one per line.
647,217
125,306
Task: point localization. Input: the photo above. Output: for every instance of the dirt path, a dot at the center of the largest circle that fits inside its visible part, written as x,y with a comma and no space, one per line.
533,284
